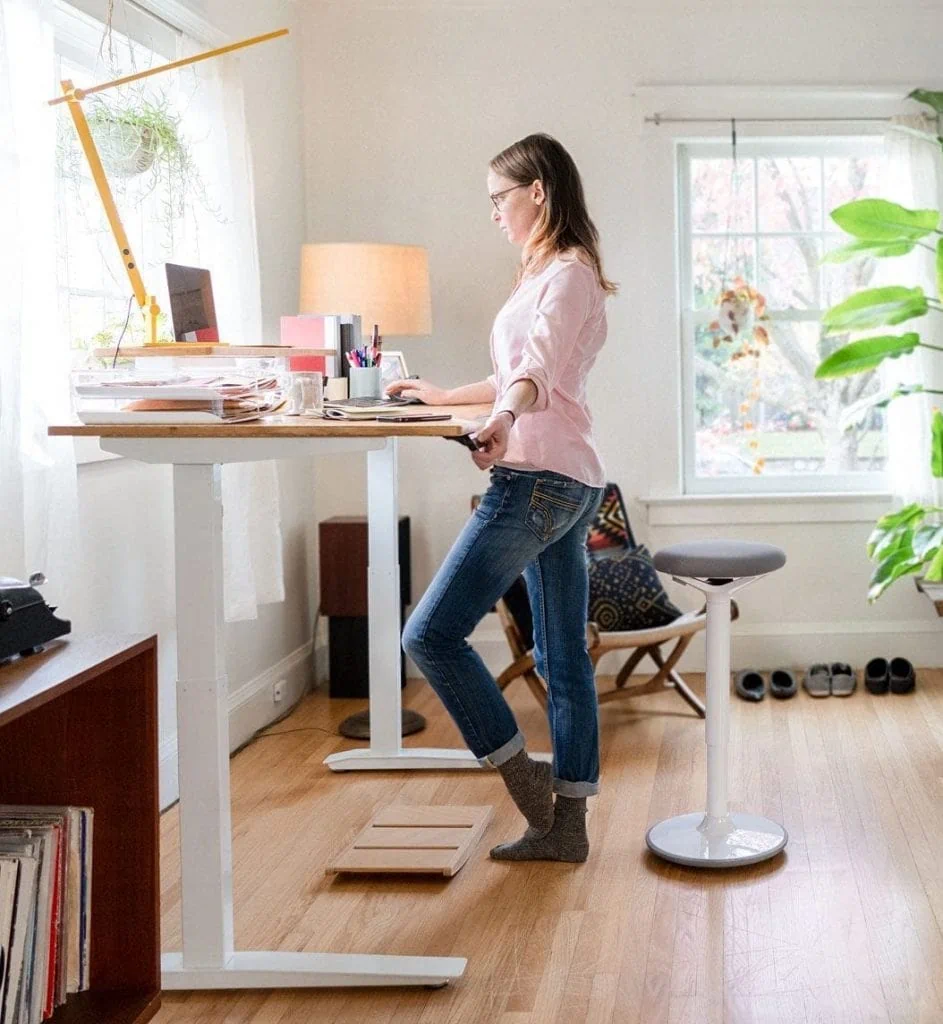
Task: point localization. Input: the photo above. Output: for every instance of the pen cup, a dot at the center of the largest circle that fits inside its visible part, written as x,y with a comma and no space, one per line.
365,382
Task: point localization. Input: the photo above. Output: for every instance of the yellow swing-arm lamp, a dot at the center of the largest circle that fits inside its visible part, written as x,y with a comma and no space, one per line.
74,98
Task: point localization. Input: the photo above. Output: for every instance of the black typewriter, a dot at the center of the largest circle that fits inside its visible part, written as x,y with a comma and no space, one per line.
26,621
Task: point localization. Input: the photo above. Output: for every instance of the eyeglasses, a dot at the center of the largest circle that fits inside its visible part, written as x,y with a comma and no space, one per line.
497,198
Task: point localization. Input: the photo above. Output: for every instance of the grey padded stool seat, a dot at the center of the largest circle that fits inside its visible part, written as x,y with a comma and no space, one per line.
718,837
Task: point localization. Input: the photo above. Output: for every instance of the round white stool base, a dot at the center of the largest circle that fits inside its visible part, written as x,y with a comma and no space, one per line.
702,842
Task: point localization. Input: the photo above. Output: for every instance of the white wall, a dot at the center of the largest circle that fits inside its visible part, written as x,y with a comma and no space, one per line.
405,105
126,508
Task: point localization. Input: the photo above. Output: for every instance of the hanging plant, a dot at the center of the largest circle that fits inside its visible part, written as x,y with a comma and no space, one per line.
741,310
142,147
134,135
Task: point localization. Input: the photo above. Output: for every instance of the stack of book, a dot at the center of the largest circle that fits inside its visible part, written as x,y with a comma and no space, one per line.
45,909
103,398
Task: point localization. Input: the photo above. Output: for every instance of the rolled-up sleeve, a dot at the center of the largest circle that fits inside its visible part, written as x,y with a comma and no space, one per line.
561,313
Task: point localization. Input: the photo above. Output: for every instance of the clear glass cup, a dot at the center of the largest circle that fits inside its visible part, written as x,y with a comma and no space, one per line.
305,394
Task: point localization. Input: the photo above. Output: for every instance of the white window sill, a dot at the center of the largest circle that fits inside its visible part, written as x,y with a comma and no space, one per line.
733,509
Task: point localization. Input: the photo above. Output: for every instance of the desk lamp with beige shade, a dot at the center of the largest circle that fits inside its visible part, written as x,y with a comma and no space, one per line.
388,286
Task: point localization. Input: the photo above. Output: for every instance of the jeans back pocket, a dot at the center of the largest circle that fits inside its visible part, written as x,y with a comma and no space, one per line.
554,506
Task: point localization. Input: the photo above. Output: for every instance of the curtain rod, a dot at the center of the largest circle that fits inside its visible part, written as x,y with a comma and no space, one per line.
658,119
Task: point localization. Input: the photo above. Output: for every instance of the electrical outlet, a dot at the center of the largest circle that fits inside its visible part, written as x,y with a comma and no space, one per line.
278,691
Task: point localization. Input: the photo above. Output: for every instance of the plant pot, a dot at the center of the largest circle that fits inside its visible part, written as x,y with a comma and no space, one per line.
126,150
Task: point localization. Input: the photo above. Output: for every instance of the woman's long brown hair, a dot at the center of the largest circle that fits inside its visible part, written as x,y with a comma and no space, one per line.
563,222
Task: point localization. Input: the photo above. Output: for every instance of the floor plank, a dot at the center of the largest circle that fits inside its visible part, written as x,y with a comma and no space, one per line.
846,926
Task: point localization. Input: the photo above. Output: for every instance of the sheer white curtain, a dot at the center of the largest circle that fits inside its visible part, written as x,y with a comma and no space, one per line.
252,538
38,500
914,178
38,493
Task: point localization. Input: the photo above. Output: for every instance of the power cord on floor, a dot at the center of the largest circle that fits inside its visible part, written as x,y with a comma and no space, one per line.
263,733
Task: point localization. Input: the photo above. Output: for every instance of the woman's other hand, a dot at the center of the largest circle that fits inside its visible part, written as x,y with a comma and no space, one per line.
493,438
426,392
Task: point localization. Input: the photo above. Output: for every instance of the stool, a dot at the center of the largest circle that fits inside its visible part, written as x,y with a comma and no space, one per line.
718,838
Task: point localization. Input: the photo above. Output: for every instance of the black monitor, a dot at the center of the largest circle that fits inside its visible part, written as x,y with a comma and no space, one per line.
191,304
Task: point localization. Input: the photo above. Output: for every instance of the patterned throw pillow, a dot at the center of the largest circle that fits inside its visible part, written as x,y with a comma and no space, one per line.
625,592
610,528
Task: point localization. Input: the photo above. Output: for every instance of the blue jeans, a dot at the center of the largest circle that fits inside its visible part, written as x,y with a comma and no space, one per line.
535,523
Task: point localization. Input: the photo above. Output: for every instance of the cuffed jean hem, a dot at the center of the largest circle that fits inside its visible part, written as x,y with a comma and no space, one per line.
562,787
504,753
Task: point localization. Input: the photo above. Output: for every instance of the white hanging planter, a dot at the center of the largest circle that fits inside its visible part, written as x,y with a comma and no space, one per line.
126,150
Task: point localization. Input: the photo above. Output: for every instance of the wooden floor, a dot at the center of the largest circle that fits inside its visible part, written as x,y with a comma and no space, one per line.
846,926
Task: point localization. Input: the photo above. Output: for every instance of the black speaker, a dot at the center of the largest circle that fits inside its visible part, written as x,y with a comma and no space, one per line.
349,655
343,565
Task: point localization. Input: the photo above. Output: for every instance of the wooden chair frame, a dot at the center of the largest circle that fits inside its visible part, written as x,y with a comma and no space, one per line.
642,642
646,642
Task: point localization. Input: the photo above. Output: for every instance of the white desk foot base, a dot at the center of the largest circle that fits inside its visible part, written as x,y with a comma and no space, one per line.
310,970
413,757
699,841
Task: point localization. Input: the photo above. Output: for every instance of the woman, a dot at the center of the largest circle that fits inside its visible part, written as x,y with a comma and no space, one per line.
546,485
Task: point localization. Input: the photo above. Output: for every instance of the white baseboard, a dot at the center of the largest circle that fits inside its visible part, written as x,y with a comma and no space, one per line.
767,645
252,707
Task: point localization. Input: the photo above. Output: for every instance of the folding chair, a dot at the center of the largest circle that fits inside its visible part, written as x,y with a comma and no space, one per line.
609,530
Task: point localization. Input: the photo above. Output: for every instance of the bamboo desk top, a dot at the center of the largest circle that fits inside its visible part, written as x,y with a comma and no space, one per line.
465,418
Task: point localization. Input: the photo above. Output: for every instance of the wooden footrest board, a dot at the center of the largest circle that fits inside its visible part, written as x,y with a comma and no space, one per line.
415,840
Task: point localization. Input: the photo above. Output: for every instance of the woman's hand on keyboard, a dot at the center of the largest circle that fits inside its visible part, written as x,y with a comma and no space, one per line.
423,390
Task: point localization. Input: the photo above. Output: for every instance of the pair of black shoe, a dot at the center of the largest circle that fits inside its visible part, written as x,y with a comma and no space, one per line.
896,675
750,684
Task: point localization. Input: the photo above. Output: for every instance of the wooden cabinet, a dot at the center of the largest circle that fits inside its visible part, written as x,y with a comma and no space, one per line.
78,726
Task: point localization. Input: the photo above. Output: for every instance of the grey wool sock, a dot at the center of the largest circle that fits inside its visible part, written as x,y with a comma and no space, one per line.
566,841
530,784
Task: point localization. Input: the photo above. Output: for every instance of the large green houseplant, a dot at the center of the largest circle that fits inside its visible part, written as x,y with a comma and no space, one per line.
909,540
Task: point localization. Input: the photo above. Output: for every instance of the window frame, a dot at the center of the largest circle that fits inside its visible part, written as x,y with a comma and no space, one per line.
755,146
658,116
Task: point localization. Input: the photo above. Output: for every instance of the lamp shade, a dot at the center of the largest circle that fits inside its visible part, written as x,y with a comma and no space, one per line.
385,284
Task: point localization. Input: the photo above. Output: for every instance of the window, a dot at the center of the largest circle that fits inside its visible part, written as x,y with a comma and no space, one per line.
142,132
763,423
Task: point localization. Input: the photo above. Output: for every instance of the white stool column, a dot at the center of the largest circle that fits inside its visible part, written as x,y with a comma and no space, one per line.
717,837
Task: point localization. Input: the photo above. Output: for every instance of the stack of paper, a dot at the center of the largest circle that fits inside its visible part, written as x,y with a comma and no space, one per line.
179,398
45,909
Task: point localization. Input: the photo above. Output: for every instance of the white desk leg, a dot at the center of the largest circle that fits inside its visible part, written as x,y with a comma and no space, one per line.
202,720
386,750
383,600
208,960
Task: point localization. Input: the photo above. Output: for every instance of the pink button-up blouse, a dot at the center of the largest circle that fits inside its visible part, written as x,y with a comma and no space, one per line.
550,331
